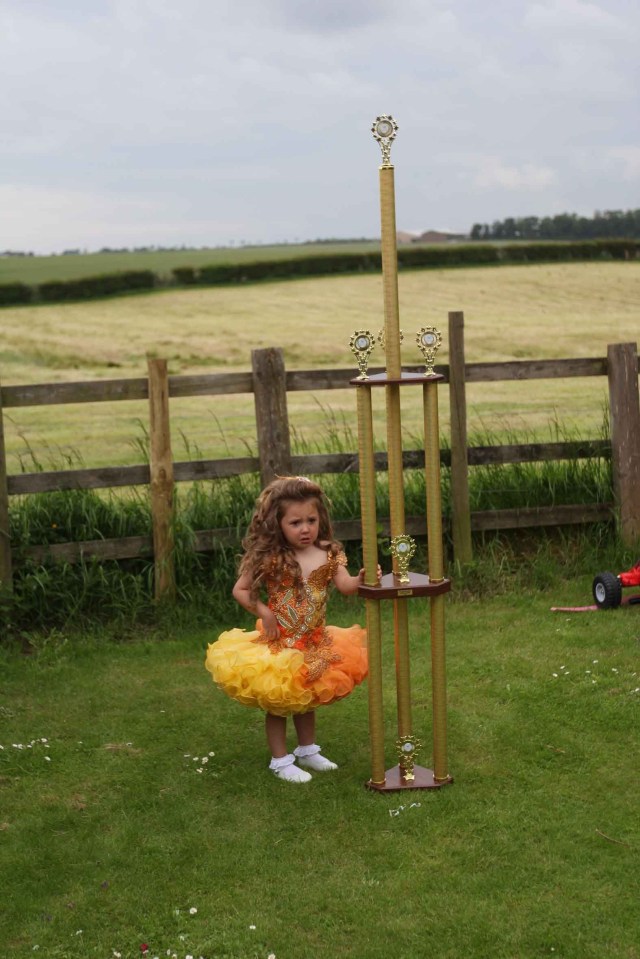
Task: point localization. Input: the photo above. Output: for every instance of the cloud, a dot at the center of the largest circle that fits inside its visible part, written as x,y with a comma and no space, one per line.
580,17
331,16
493,173
212,120
75,219
629,157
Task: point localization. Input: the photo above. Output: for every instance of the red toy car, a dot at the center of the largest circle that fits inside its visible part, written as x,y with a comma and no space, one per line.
607,587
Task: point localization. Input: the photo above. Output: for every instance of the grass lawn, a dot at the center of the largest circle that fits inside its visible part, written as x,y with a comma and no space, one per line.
112,833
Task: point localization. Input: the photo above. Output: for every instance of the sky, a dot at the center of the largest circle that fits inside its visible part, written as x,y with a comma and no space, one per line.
132,123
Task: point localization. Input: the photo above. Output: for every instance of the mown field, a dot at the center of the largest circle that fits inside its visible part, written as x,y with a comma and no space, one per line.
511,312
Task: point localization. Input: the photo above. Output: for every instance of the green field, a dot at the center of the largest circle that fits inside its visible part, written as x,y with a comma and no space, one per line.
40,269
511,312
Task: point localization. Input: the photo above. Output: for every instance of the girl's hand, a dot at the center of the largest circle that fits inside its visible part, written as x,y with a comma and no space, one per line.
269,624
347,584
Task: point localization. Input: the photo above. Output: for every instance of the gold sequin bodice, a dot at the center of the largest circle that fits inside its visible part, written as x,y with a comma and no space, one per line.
300,615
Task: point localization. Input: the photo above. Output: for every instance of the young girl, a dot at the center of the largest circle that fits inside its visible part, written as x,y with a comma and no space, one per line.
293,662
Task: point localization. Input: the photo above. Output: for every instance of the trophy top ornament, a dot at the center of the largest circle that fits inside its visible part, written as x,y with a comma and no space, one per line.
403,545
384,130
408,747
403,548
361,344
429,341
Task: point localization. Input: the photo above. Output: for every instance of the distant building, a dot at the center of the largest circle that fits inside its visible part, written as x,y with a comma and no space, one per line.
439,236
403,237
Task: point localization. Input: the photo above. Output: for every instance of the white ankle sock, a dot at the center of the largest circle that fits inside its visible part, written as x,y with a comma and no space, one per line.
284,767
311,758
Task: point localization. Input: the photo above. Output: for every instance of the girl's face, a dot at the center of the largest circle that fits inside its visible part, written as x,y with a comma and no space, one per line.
300,524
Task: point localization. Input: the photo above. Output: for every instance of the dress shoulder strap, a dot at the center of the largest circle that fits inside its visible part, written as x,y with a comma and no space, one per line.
335,560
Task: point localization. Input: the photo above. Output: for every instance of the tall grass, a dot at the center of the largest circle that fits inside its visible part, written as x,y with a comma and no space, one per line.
121,592
547,483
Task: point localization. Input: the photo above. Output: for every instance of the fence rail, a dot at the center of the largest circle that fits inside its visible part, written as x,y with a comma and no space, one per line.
136,547
215,384
106,477
270,383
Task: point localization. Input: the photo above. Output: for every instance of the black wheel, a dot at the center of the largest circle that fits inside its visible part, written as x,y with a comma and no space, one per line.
607,590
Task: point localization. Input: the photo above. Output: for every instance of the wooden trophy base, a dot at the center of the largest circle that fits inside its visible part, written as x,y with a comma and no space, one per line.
395,782
392,587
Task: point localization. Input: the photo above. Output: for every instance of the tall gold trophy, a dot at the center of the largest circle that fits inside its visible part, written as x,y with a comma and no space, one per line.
401,585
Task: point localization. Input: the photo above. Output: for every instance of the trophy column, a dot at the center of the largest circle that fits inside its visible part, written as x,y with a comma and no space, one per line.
362,344
429,340
400,585
384,130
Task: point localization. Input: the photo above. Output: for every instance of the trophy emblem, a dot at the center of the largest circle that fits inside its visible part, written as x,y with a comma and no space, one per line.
408,748
429,340
361,344
384,130
402,548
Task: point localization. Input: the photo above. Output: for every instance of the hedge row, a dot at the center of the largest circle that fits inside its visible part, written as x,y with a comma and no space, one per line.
12,293
470,254
91,287
86,288
450,255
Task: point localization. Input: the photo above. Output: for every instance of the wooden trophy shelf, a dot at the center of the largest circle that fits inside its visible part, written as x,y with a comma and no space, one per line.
395,781
390,587
405,379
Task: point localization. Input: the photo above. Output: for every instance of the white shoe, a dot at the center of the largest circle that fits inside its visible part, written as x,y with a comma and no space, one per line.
284,768
311,758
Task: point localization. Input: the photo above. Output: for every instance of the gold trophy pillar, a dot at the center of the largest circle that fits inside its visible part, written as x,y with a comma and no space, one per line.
436,574
384,131
370,563
401,584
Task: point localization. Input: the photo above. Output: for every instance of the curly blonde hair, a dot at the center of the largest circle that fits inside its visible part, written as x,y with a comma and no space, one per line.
266,552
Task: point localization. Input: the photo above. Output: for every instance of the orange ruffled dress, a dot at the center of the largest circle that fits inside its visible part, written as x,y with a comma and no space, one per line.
310,664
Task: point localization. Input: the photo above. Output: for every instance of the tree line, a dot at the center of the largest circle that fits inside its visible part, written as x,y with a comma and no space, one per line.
564,226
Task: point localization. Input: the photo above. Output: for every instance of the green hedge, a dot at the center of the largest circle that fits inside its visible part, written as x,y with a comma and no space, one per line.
92,287
12,293
454,254
320,265
409,257
577,250
184,275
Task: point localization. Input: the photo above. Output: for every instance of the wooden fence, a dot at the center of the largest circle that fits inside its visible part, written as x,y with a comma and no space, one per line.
270,384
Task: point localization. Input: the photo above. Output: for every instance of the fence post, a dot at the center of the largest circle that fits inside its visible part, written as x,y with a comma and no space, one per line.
6,573
460,506
161,479
624,409
272,418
